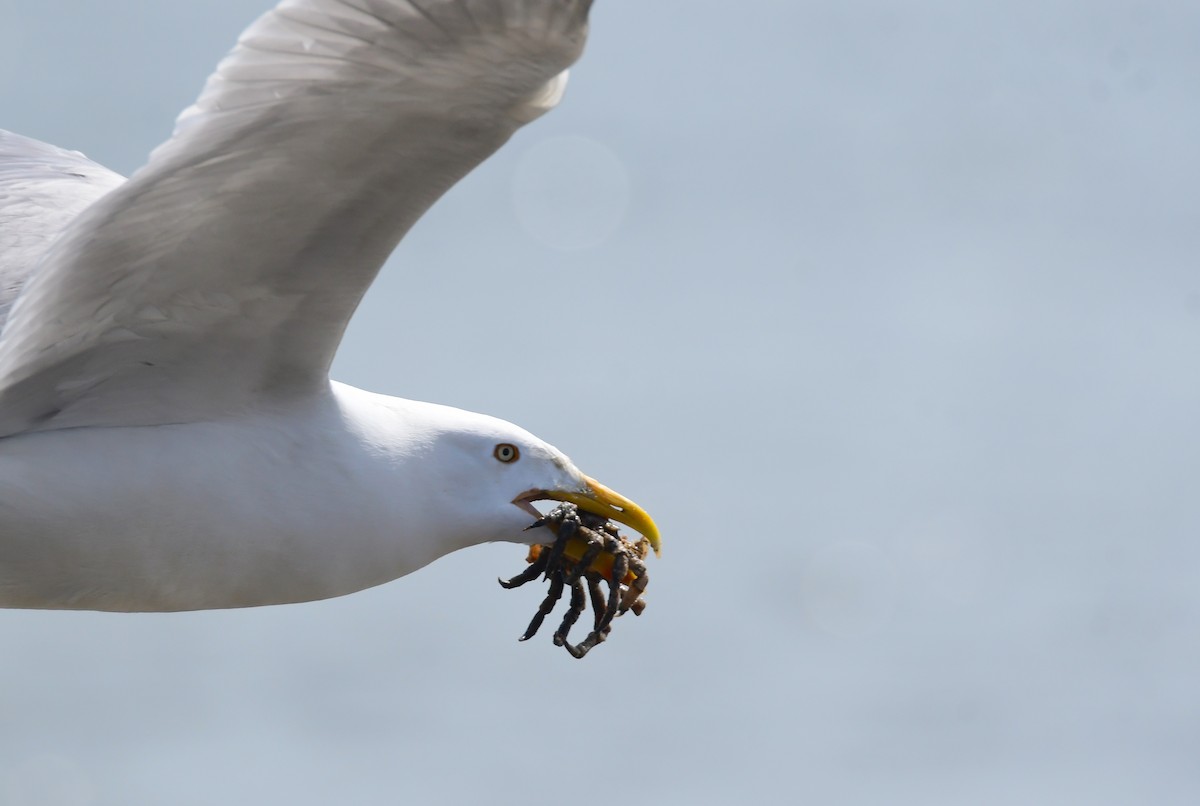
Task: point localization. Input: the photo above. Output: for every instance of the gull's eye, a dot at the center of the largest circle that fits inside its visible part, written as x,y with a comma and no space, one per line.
507,453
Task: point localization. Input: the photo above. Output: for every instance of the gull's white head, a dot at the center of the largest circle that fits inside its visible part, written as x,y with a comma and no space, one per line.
483,476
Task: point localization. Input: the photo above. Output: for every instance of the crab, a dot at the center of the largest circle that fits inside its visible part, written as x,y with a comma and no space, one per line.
587,553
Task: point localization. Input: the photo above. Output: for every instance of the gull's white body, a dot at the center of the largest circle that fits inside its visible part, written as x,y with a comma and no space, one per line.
323,498
169,437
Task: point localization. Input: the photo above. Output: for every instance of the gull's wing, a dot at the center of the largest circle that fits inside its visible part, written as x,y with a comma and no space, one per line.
42,189
221,276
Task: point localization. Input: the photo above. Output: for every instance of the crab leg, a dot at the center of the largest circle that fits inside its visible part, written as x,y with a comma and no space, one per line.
578,601
597,595
529,574
620,568
552,597
566,530
585,562
583,647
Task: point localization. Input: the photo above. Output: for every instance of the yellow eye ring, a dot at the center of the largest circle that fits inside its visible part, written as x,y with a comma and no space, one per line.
507,452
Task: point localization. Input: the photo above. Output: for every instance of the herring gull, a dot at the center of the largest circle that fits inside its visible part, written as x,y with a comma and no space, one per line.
169,435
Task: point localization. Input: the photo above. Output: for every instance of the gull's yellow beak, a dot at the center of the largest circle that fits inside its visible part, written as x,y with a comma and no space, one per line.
600,500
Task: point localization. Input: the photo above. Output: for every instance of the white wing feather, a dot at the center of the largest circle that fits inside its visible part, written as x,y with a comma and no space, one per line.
42,189
221,276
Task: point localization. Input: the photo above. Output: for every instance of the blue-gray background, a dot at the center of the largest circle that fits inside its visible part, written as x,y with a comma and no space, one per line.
888,311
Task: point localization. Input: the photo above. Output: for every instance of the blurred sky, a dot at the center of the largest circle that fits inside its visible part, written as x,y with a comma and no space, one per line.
888,311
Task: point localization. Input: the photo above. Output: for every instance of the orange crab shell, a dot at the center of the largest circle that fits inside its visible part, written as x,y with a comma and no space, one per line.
574,550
